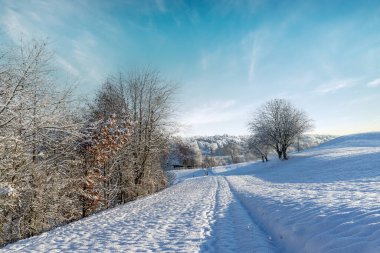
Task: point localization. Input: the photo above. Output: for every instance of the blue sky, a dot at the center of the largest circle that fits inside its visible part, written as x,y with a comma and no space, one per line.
228,56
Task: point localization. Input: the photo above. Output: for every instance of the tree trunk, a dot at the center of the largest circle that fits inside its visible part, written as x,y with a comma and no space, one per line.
279,151
284,154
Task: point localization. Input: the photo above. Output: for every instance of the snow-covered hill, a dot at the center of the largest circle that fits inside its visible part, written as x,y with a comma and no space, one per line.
217,143
326,199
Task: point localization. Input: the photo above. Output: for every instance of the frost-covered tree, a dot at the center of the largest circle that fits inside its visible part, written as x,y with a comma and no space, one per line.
259,146
38,143
143,98
209,160
234,151
150,101
182,153
279,123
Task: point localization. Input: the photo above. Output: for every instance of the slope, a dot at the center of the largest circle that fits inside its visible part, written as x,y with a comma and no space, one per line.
326,199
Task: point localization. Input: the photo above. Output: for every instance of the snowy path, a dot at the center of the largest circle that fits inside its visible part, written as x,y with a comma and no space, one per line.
235,229
198,215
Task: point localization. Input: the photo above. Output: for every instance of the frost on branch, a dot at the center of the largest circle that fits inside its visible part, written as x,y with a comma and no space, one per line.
6,191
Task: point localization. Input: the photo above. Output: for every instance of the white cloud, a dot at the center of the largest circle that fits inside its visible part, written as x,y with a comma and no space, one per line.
252,64
335,85
86,59
15,26
78,56
252,44
67,66
249,46
374,83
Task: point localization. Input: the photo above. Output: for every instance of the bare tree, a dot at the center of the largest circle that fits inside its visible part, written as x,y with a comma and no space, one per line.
150,101
209,160
38,142
144,99
233,150
279,123
259,146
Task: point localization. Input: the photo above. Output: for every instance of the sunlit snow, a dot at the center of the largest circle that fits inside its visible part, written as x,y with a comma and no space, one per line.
326,199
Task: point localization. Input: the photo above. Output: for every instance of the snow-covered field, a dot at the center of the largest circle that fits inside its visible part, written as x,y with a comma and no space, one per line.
326,199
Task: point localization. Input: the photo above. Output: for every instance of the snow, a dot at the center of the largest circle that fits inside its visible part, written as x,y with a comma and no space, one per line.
6,191
185,174
326,199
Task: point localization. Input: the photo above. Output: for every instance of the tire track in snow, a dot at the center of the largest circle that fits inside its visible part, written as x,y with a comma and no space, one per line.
246,235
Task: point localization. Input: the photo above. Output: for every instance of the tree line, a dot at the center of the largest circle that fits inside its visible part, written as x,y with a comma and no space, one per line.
61,161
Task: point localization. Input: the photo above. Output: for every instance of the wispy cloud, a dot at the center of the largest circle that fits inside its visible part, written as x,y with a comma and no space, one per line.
84,56
335,85
14,25
77,55
161,5
67,66
251,45
252,65
374,83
